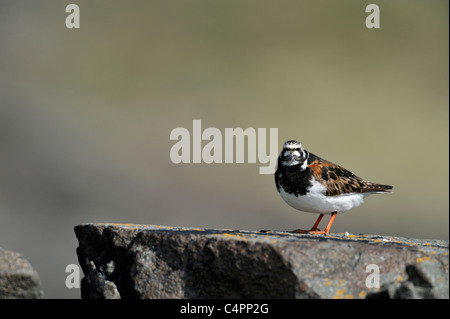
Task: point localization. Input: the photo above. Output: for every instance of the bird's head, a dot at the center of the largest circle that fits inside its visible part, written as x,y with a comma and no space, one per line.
293,154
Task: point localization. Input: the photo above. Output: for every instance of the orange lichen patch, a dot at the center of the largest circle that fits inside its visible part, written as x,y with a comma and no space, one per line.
399,278
229,235
362,294
420,259
339,294
410,243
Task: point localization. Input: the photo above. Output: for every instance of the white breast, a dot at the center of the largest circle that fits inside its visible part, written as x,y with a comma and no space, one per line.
315,200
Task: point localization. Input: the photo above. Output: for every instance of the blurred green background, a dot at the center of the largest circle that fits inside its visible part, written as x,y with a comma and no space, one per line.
86,114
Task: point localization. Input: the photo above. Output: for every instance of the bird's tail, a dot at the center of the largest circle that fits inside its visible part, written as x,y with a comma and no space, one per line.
384,189
376,188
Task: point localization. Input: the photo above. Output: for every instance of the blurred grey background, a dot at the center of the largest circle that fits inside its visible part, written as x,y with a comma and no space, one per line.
86,114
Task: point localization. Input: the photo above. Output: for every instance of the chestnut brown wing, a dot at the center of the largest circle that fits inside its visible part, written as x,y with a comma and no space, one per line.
339,180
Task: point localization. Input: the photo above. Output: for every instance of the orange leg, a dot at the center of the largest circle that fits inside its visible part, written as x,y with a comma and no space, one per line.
315,230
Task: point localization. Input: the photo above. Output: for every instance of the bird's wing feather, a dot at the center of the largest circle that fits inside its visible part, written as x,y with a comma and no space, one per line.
339,180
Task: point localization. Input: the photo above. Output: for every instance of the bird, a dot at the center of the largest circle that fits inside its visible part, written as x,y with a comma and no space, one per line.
311,184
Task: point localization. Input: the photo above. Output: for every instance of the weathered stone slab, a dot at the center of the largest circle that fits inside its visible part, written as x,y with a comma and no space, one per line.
143,261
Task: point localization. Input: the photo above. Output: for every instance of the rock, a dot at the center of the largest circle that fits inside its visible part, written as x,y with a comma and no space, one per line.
142,261
18,279
426,280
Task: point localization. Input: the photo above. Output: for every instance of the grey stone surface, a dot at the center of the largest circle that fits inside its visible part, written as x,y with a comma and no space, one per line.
426,280
18,279
143,261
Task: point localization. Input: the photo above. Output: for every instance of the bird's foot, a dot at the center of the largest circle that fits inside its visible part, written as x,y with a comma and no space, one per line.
318,232
303,231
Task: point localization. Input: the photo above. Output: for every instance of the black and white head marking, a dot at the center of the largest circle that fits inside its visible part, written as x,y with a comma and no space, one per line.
293,153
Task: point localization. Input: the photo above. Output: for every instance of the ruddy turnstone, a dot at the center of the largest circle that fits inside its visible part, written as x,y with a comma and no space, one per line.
314,185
